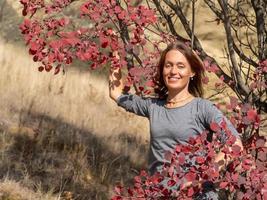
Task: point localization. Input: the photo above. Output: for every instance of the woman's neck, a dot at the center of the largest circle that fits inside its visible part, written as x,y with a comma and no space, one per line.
178,95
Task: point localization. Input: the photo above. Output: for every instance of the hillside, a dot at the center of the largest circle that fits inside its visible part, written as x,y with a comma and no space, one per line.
61,137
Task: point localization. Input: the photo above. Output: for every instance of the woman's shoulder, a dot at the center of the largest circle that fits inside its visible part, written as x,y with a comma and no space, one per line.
204,105
204,102
135,97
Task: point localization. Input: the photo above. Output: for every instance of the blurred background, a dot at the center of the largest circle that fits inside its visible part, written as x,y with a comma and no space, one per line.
61,137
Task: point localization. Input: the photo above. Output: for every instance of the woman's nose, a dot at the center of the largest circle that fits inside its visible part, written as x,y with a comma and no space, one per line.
174,70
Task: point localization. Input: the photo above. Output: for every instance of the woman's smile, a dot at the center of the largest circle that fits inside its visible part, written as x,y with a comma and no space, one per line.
177,71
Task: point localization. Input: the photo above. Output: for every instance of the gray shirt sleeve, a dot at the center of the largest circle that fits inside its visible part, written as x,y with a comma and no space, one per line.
210,113
135,104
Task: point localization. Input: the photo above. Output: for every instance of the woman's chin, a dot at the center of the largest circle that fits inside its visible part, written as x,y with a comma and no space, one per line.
175,88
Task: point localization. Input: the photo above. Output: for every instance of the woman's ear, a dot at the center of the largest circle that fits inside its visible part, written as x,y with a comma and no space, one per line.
193,74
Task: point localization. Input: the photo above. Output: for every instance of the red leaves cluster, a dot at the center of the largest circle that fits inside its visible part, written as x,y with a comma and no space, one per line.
31,7
245,176
243,116
258,81
53,43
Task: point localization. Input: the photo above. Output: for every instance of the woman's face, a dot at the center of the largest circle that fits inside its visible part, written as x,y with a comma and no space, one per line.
176,71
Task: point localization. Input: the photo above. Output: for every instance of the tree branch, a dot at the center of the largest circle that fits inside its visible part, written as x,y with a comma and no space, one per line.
197,46
258,6
169,21
237,50
243,88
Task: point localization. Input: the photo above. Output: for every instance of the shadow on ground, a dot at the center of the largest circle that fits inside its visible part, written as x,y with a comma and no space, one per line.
58,156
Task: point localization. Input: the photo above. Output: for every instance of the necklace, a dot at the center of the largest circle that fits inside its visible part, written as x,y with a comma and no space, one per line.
178,101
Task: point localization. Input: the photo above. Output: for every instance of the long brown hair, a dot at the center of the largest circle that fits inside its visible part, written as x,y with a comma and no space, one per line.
195,86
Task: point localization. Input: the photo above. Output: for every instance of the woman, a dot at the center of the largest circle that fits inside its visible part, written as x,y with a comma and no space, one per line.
182,112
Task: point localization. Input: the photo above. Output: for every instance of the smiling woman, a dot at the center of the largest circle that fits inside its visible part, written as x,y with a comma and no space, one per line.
179,61
180,112
176,74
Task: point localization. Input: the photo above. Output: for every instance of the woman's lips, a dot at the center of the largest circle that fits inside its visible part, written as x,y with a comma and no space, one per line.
173,78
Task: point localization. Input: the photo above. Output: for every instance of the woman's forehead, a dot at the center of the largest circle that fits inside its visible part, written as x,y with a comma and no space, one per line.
175,56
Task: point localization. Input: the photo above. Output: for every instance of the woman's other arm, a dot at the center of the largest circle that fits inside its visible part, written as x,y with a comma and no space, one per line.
213,114
220,157
115,81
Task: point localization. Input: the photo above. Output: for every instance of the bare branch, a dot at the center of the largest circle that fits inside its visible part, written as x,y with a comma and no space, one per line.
237,50
244,57
258,6
252,49
169,20
197,46
243,88
193,23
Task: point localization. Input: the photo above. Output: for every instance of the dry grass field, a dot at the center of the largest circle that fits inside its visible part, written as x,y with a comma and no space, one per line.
61,137
63,132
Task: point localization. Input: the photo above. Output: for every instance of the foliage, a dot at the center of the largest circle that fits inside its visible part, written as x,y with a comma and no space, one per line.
137,30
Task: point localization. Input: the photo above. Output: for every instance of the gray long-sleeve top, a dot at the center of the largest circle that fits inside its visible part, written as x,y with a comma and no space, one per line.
172,126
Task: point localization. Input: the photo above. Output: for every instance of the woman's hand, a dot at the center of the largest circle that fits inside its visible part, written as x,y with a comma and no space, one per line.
115,83
115,79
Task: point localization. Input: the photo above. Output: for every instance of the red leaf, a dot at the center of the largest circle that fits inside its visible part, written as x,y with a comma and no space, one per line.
24,11
150,83
143,173
118,189
241,180
206,63
190,192
93,66
214,68
141,88
233,102
235,177
35,58
171,183
262,156
246,164
177,149
137,179
116,198
32,52
57,69
200,159
192,141
147,92
223,185
214,126
171,170
190,176
205,80
252,114
48,68
122,15
168,155
260,143
104,44
117,9
41,68
236,149
130,192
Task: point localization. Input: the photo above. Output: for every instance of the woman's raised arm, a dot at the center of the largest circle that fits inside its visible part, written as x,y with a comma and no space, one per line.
115,81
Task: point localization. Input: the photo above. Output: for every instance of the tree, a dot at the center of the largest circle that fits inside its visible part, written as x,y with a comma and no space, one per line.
137,28
194,162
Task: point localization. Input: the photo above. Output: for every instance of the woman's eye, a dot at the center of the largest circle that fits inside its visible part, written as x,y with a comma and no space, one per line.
167,65
180,66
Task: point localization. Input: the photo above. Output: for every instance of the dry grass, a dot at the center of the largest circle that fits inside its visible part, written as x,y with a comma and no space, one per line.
11,190
61,137
65,130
